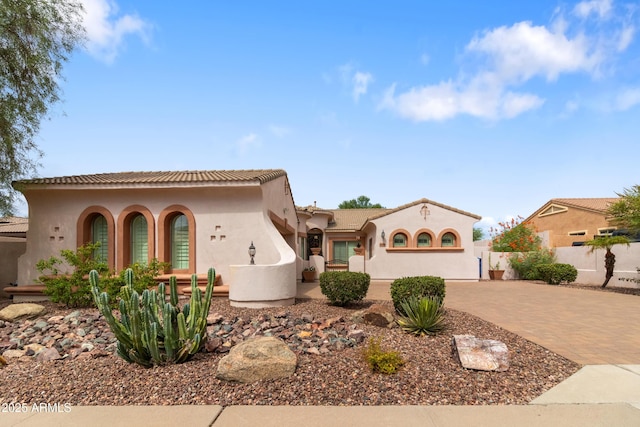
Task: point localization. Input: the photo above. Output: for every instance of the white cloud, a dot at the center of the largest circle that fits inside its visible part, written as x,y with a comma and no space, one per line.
357,81
602,8
626,37
279,131
627,99
504,58
106,30
361,82
522,51
248,142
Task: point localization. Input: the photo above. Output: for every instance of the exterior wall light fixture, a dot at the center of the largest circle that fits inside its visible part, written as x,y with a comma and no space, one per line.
252,253
382,235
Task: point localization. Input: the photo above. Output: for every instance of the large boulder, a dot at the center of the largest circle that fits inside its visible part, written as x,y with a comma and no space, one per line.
260,358
379,315
14,312
481,355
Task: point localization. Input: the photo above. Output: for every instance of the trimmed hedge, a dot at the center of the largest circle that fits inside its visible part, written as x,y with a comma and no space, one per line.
344,287
416,287
554,274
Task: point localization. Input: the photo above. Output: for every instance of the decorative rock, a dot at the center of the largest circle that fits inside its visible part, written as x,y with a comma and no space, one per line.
13,312
13,354
48,354
256,359
34,347
482,355
379,315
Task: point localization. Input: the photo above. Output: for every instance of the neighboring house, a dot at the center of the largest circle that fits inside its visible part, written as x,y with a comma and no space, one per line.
199,219
13,243
567,222
420,238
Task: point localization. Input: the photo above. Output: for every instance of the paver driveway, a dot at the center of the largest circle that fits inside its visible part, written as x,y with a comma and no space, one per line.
588,327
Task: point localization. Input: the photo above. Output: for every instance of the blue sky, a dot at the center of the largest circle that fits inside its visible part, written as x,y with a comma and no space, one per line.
492,107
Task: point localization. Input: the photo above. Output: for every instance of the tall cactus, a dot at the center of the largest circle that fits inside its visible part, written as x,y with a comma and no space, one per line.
154,331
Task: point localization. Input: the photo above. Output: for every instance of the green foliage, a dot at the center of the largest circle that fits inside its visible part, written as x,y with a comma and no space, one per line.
362,202
626,212
416,287
344,287
422,316
71,288
514,236
554,274
525,263
36,38
153,330
65,278
607,243
384,362
478,234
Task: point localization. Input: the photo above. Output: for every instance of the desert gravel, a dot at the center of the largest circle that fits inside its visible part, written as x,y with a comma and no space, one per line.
432,374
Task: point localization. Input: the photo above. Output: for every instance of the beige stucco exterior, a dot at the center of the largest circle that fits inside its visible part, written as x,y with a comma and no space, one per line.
227,211
565,221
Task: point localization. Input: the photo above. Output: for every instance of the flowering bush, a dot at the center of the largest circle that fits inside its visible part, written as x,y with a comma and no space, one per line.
514,236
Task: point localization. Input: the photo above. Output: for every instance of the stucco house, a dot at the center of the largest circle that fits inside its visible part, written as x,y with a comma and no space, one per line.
199,219
565,222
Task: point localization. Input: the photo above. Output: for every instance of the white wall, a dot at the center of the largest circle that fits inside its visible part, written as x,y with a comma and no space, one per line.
590,265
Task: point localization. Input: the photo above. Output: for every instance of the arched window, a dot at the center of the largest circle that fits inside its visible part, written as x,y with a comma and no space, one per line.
100,234
400,240
179,243
448,239
424,240
139,240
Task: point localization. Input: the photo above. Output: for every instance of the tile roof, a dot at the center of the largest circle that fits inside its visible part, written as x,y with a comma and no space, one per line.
13,224
356,219
352,219
593,204
129,178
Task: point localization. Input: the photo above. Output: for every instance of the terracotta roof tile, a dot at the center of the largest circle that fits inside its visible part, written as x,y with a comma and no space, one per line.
352,219
127,178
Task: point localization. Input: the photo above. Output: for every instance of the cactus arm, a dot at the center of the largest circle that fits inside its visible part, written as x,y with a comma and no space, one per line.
173,288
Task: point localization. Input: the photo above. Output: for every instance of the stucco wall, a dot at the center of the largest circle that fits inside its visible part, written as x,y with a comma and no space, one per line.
560,224
452,264
228,219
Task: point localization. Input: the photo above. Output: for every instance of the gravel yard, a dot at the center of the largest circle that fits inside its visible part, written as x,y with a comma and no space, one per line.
432,374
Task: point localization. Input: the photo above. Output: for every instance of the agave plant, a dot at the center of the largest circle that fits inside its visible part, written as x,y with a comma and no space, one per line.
423,316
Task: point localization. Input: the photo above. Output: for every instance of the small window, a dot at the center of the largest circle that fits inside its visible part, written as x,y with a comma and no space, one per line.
578,233
180,243
99,235
424,240
139,241
449,239
606,231
399,240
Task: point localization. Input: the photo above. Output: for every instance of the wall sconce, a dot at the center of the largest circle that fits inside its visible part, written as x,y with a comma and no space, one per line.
252,253
382,235
424,211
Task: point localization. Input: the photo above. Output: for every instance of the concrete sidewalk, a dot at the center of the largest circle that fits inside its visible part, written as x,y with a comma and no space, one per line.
582,325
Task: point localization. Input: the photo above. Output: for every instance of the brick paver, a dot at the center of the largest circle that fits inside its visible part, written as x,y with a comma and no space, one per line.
588,327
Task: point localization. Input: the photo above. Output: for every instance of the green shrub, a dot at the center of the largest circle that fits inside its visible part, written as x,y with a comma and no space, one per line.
71,288
423,316
417,287
554,274
384,362
525,263
153,330
344,287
